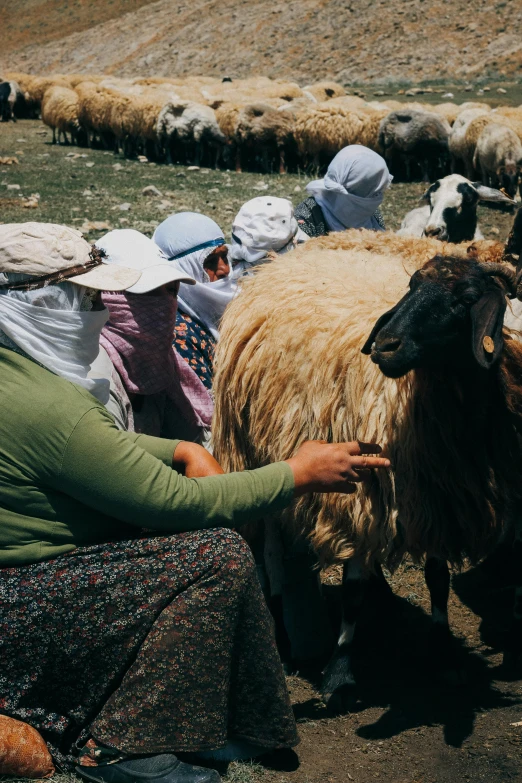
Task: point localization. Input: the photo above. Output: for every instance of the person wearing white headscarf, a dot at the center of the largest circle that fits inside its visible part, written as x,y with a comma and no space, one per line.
193,241
196,245
349,196
263,228
53,323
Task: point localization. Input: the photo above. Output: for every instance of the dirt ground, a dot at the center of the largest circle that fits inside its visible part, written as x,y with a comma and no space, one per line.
409,726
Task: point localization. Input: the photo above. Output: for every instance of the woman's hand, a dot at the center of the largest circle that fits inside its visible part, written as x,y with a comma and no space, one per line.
193,461
333,467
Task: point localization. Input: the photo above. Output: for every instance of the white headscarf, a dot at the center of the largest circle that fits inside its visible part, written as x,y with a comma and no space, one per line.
49,325
187,239
263,227
352,189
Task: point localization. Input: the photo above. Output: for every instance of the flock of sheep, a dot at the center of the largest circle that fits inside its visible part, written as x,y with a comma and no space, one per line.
262,124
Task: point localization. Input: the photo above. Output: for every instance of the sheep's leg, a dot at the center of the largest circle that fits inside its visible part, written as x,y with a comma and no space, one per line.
513,652
217,156
338,686
238,160
54,135
282,163
443,651
437,575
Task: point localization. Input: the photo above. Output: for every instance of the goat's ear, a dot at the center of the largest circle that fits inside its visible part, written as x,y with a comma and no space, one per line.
487,320
492,194
425,198
382,321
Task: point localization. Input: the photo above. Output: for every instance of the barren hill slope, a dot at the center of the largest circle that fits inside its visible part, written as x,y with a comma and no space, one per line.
350,40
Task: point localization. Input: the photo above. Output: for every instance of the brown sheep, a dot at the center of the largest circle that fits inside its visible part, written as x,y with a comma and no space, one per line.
60,107
456,460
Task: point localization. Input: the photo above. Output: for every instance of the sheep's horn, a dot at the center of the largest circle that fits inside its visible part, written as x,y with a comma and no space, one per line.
506,274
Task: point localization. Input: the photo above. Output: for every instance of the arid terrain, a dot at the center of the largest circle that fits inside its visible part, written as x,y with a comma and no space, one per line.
353,41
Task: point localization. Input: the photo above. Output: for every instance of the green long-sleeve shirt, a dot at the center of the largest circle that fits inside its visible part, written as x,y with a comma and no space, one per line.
69,477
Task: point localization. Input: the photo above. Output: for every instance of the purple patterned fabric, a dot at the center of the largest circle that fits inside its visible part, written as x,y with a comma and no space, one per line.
138,338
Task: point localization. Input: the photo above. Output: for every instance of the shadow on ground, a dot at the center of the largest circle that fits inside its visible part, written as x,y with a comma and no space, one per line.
397,673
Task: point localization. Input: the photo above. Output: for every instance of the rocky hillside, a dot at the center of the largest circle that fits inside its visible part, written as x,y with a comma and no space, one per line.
363,41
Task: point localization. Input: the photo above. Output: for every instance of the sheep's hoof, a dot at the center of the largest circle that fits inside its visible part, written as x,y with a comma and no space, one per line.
342,700
338,685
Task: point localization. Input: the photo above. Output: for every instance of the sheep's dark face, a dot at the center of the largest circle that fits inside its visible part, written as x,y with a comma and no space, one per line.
451,316
510,177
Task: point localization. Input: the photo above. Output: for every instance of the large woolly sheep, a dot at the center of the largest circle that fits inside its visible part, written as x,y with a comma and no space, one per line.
498,157
450,212
474,130
94,114
323,130
415,142
457,141
325,91
60,107
263,136
192,130
456,460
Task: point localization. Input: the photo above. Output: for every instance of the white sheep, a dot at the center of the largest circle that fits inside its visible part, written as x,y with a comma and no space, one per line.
498,157
450,213
457,140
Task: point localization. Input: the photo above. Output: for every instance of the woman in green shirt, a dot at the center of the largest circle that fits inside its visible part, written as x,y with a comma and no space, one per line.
132,625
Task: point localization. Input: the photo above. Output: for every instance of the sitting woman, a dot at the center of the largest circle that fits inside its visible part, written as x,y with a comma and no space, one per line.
124,647
153,390
264,228
197,245
349,196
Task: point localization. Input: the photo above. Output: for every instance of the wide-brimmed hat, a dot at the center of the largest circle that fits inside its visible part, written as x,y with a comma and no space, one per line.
129,248
52,253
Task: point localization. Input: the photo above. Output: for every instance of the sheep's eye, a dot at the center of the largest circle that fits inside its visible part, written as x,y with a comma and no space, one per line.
466,299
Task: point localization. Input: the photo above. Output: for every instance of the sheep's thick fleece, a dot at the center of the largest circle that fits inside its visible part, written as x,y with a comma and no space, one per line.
290,368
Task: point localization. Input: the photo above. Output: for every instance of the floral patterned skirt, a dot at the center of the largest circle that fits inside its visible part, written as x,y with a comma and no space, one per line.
152,645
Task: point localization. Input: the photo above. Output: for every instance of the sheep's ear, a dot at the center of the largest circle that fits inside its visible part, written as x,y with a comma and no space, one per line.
382,321
487,320
425,198
492,194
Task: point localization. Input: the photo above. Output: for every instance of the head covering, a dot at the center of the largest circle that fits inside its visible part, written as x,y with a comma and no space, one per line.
126,247
51,324
352,189
47,249
263,225
187,239
138,339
